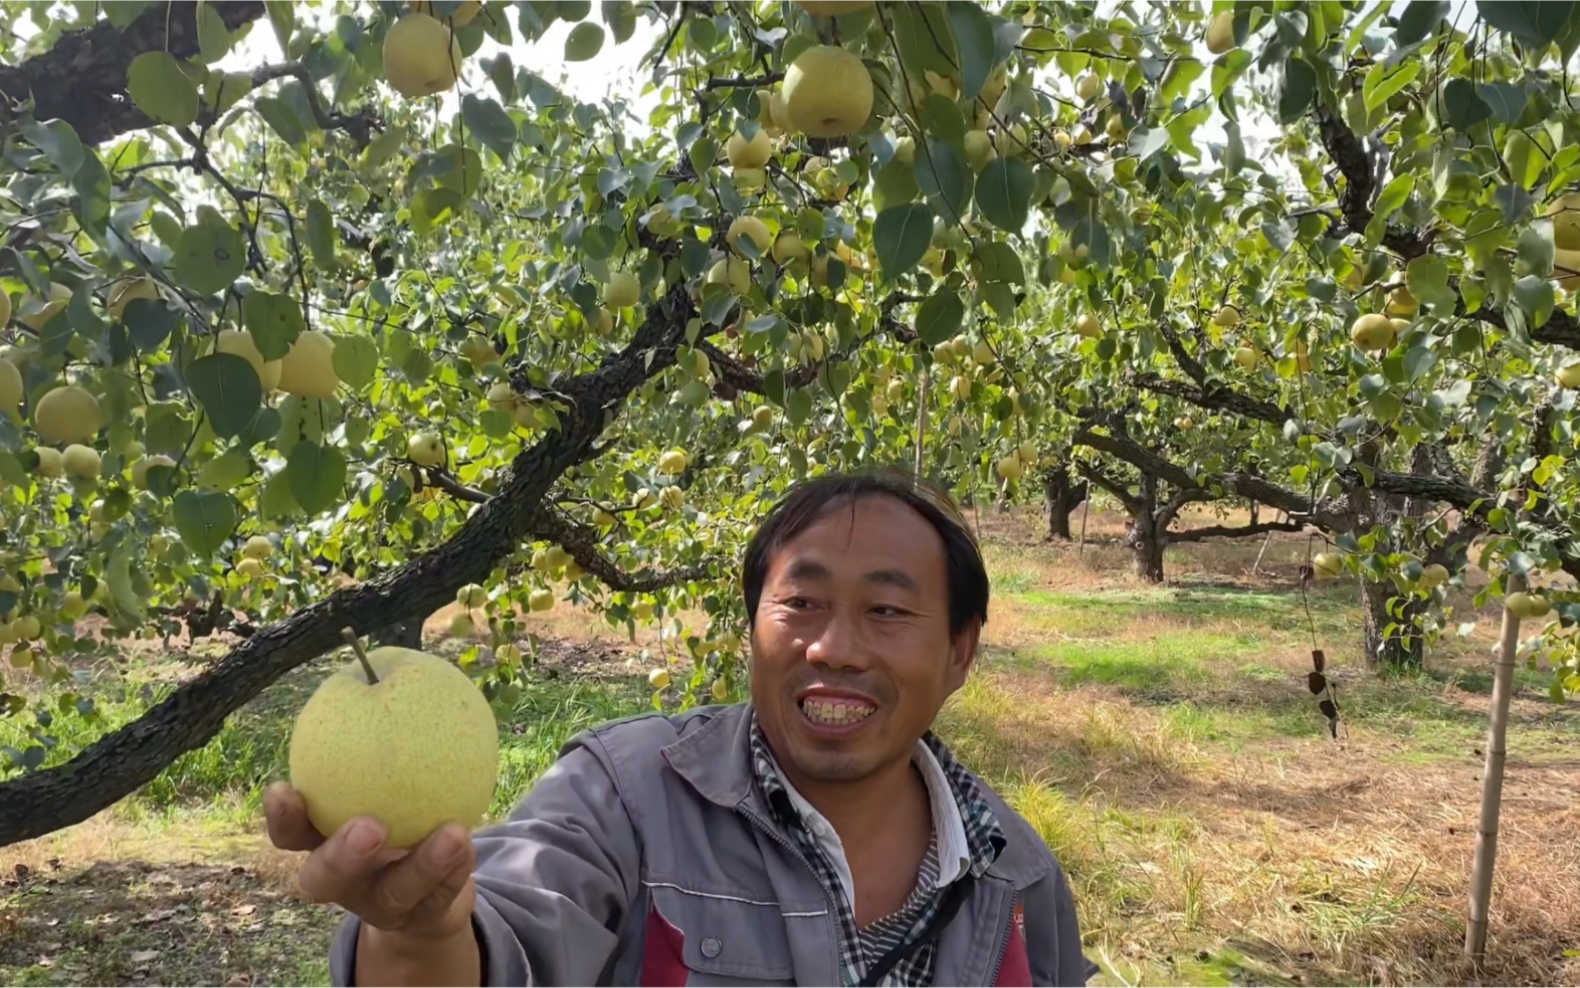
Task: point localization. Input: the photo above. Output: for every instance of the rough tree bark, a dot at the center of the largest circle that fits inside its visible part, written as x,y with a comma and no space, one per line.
1145,539
82,79
1063,494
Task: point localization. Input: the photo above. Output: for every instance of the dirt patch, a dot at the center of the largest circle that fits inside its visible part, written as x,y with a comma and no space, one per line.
143,923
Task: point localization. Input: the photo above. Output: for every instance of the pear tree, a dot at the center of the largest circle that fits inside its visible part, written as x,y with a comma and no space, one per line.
358,281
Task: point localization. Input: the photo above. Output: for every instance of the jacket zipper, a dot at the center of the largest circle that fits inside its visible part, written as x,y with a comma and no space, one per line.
1003,949
795,852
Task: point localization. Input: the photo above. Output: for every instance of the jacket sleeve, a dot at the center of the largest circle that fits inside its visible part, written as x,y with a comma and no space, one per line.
554,880
1056,958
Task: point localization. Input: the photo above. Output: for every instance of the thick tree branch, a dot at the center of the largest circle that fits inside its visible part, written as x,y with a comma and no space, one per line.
1095,474
1561,327
82,79
1355,198
1174,505
122,761
1215,396
1234,531
582,541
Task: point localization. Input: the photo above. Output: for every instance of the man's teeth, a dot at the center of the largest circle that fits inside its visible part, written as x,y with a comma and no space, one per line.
835,711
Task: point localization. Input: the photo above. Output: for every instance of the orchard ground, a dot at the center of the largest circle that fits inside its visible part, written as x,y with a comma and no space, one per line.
1161,739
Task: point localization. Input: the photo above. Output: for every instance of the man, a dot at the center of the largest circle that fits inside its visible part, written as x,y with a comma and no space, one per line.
818,835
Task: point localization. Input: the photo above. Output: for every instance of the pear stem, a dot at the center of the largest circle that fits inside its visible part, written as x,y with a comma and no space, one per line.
362,657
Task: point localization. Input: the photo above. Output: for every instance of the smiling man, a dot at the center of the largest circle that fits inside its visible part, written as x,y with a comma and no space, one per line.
819,834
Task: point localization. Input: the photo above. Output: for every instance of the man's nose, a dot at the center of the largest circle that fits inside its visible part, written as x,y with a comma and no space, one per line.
838,643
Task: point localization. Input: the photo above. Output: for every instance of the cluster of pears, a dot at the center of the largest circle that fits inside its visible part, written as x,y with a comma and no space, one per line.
1013,465
1381,330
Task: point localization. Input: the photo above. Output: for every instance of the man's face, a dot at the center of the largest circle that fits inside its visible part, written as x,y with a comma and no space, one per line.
851,654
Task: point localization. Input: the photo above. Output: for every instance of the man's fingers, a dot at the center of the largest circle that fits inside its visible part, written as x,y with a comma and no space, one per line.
342,868
426,880
286,813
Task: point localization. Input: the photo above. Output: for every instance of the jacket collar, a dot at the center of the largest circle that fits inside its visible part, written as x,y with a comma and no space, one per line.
714,758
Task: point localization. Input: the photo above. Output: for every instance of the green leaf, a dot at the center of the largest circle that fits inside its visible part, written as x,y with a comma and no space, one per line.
321,233
1298,90
282,119
620,15
1505,98
282,17
224,472
901,236
974,37
274,320
584,42
925,38
895,185
1394,195
211,255
1535,22
489,121
356,360
228,389
939,317
317,475
1536,296
1384,80
57,140
944,179
1004,193
92,184
1427,279
204,519
214,38
941,118
1463,106
160,89
1419,19
503,73
149,322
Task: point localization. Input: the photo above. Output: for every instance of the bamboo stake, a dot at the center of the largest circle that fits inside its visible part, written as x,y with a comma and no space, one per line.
921,423
1086,505
1492,781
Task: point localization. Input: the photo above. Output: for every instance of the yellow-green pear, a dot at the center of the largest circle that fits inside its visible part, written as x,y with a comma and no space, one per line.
414,750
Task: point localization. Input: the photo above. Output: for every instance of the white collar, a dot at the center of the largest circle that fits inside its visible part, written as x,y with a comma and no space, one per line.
954,852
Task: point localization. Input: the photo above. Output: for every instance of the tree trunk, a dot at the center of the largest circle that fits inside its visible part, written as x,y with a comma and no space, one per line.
1063,495
1392,643
1147,538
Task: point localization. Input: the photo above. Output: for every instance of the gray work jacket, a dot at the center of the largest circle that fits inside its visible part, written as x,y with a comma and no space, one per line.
645,856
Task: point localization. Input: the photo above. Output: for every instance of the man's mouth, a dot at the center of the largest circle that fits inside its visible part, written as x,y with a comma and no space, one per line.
836,712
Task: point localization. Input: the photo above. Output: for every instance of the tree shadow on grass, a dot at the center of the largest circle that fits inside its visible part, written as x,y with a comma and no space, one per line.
139,923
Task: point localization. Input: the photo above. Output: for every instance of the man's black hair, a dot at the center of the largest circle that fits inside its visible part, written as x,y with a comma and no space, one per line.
806,502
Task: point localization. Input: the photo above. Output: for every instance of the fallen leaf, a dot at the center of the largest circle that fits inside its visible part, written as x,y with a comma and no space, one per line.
246,910
144,957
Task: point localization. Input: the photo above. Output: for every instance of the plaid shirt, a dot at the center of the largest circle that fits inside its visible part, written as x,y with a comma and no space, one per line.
861,947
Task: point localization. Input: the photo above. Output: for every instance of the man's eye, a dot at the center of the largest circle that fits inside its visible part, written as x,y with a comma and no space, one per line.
885,610
797,603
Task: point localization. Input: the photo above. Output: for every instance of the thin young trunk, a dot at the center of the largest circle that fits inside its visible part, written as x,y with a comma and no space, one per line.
1492,783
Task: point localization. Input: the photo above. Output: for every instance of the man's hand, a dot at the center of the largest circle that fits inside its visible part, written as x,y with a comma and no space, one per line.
424,894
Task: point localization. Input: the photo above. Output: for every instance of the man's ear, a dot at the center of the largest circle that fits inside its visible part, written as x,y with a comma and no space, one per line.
963,653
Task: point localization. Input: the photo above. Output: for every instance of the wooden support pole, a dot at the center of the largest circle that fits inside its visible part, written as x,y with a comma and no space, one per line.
1492,781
